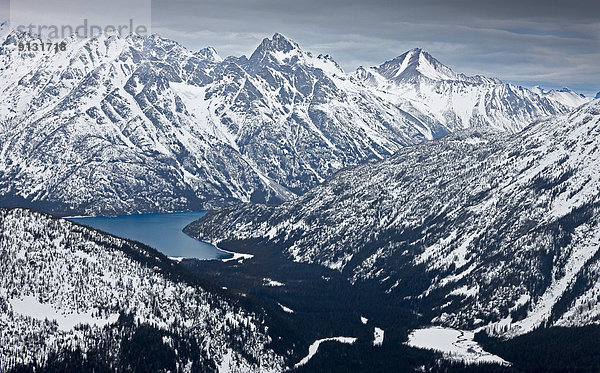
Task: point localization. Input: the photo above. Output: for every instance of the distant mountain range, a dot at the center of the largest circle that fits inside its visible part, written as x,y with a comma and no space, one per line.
476,230
564,95
119,125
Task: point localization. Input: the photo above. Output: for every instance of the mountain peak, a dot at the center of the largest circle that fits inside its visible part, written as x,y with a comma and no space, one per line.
538,90
597,95
277,43
210,54
278,36
280,50
414,64
276,49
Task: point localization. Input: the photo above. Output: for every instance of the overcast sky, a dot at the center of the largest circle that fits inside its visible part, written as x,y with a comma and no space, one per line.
546,42
552,43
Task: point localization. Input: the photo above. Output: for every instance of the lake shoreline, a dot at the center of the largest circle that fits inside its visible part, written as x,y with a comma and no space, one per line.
161,231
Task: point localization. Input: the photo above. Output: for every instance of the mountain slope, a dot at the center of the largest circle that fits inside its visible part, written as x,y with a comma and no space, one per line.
475,229
119,125
66,289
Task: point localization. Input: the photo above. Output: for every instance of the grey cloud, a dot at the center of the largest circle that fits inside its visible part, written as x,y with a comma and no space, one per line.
546,42
554,43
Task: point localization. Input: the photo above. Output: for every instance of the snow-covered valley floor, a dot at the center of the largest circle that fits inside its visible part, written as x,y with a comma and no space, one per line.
454,344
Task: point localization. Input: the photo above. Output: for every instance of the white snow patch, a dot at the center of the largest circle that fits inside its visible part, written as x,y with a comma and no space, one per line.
378,335
313,348
475,141
236,256
465,291
269,282
454,344
225,365
30,306
285,309
364,320
21,254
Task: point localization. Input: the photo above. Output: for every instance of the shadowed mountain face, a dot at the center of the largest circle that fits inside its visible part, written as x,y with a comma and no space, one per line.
479,229
120,125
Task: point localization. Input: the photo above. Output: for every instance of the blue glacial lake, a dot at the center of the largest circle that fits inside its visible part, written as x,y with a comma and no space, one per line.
162,231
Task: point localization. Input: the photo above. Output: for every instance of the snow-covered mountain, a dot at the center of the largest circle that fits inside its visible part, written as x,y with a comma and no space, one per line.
100,129
477,229
565,96
129,124
422,86
66,289
300,118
